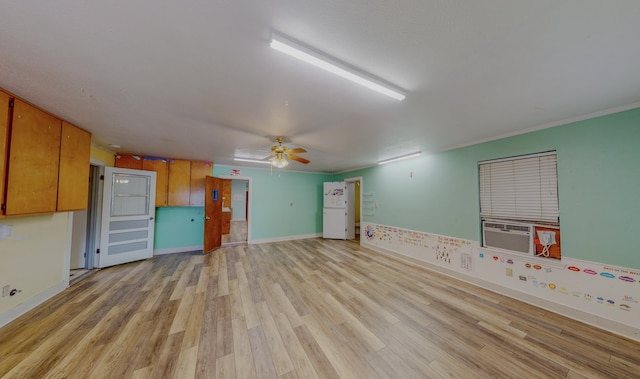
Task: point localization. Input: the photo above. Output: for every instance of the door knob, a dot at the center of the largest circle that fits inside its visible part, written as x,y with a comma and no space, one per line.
207,218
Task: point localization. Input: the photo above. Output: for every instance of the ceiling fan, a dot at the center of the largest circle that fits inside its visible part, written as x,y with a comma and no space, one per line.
280,153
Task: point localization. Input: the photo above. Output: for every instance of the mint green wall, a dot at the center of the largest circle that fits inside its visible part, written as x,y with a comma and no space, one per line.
598,185
283,203
239,207
178,227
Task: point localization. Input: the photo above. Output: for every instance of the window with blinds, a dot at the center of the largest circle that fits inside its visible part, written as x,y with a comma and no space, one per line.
520,188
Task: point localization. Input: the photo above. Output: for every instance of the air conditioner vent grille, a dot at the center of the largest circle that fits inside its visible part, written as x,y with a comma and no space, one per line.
519,228
492,225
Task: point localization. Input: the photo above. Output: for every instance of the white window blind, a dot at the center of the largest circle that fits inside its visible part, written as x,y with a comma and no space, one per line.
520,188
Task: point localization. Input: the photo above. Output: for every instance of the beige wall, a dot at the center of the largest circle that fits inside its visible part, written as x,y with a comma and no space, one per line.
103,155
33,252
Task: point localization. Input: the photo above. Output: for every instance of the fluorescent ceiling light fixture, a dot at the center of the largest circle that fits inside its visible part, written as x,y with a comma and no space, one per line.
400,158
251,160
287,46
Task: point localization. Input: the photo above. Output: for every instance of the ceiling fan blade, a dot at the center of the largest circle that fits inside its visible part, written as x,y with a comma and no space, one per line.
296,150
298,159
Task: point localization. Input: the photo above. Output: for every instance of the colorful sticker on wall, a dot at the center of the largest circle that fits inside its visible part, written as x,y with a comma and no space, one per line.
369,232
626,279
590,272
442,254
607,275
552,286
625,307
573,268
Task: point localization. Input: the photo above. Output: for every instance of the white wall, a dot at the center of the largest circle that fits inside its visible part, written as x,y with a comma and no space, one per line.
34,255
599,294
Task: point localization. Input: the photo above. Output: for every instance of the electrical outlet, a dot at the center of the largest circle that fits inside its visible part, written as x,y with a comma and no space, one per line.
6,290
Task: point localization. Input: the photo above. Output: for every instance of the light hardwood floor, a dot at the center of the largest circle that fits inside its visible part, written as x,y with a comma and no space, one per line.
299,309
237,233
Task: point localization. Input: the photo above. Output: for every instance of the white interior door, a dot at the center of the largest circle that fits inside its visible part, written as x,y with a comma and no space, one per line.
128,210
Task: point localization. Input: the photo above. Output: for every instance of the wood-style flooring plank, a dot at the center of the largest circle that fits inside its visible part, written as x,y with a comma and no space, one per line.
298,309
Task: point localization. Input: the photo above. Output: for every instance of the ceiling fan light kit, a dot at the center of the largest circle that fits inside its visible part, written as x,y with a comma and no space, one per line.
399,158
279,161
325,62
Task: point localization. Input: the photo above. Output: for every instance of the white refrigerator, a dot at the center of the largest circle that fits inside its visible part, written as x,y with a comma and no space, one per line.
334,212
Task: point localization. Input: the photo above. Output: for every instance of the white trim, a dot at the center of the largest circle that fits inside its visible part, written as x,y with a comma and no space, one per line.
286,238
588,318
553,124
24,307
173,250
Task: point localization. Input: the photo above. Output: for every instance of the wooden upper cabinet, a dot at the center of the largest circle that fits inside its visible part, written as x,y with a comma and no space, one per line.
4,130
159,165
32,184
199,172
179,187
128,161
75,156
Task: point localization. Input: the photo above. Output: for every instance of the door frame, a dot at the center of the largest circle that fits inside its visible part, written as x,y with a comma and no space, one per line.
244,179
353,181
94,221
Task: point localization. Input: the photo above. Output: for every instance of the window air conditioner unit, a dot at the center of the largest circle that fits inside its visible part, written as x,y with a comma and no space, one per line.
508,235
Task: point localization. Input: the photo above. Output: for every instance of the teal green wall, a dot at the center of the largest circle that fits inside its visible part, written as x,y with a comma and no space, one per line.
178,227
598,185
283,203
239,207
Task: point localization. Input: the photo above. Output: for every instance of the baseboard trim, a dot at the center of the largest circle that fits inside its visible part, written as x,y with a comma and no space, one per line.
22,308
575,314
287,238
173,250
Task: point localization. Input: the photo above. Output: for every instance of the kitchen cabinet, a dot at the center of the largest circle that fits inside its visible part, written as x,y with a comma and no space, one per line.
133,162
32,174
179,186
4,134
159,165
226,220
73,178
199,172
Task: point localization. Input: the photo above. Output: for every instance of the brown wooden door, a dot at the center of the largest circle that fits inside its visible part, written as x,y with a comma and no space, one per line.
212,214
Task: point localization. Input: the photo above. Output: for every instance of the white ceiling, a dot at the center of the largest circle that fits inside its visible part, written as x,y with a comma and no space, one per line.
197,80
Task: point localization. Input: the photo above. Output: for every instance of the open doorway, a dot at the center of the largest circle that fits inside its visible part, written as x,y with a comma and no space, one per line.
236,210
354,214
85,234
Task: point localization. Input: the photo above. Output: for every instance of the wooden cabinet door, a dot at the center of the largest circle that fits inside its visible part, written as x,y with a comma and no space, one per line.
159,165
179,187
128,161
199,172
4,130
73,180
32,185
